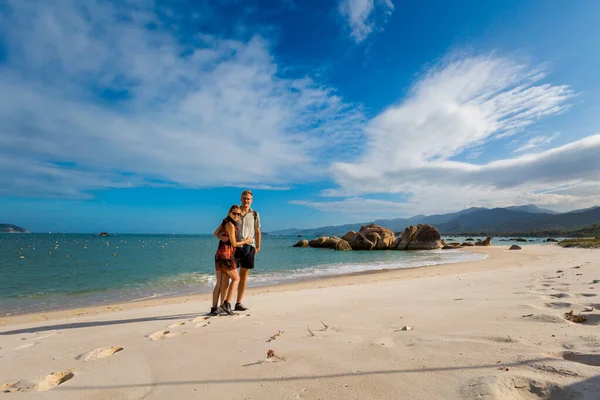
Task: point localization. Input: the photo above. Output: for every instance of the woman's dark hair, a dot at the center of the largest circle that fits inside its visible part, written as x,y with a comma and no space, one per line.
233,207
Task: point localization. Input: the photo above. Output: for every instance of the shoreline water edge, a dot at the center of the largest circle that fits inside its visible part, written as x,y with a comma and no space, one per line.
43,273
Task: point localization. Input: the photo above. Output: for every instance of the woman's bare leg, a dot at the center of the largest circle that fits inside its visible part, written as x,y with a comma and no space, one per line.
224,286
235,281
217,290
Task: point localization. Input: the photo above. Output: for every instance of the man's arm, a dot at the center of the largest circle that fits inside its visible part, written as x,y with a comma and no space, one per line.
220,234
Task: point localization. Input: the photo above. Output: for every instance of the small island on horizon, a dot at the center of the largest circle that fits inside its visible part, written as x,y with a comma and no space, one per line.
10,228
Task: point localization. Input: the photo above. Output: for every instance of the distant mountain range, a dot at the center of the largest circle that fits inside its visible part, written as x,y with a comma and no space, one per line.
9,228
476,220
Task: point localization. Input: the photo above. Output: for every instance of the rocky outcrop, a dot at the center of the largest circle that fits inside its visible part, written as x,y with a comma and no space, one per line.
551,240
348,236
421,237
360,242
343,245
324,242
515,247
467,244
331,242
409,233
375,237
486,242
318,242
382,237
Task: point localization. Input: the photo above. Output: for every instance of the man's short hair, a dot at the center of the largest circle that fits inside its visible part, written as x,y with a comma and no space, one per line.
245,192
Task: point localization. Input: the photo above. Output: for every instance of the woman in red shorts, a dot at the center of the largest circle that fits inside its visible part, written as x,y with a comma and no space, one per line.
225,264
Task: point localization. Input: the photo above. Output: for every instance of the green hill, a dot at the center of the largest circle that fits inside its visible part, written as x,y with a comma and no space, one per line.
9,228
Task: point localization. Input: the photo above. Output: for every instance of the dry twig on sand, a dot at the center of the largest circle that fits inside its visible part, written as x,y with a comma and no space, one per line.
279,333
271,354
575,318
310,333
325,326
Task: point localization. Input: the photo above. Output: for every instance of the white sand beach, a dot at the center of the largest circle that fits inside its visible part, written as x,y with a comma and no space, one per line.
490,329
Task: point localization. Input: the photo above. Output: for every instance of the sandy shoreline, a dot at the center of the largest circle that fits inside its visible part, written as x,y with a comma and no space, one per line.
489,329
303,283
299,283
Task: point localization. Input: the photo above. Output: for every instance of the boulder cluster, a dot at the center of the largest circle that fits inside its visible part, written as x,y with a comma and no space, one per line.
375,237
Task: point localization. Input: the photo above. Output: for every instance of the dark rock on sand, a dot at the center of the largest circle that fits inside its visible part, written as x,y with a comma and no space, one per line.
421,237
515,247
486,242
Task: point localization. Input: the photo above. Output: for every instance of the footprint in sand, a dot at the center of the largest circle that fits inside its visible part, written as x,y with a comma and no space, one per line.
546,318
164,334
588,294
587,359
101,352
559,304
516,387
175,325
560,295
554,370
53,380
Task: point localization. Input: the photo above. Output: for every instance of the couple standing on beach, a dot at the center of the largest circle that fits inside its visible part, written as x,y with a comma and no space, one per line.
239,241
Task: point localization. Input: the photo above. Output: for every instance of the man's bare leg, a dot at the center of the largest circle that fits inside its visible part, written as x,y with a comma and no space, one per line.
242,286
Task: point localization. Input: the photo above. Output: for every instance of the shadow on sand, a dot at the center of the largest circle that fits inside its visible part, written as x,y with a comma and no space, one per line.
76,325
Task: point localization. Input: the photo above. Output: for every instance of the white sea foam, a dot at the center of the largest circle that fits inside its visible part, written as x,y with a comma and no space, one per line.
421,259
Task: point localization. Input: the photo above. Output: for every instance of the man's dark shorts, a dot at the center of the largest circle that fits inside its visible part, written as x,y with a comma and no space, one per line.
248,260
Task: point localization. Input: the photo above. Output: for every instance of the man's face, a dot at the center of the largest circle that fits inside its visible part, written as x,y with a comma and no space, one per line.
246,200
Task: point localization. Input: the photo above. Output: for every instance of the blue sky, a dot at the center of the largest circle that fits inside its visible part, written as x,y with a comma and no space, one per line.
153,116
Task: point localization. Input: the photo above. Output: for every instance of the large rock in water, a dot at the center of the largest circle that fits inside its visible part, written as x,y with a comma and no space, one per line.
421,237
381,237
324,242
343,245
360,242
349,236
331,242
301,243
318,242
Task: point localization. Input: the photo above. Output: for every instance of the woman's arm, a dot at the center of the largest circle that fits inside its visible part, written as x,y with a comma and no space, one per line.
231,233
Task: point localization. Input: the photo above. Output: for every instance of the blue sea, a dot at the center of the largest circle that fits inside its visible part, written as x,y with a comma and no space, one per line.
43,272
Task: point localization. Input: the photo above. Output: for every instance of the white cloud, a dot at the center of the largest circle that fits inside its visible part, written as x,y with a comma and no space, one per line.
206,112
535,142
364,16
454,111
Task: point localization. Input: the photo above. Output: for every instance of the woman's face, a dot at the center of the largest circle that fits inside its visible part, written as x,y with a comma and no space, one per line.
235,214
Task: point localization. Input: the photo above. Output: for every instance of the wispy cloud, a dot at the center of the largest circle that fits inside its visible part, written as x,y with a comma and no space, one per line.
362,17
111,91
458,108
535,142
